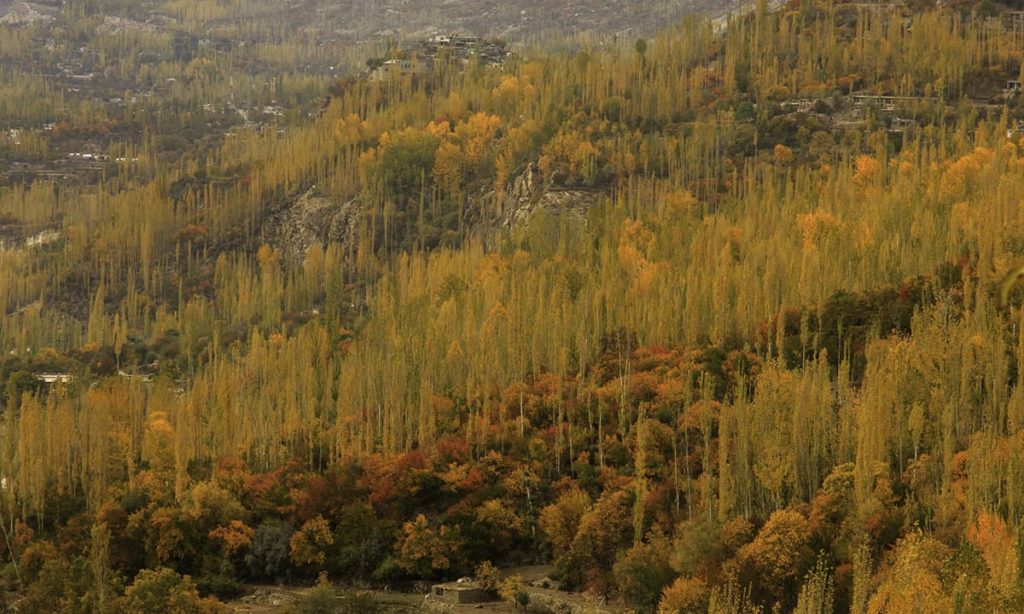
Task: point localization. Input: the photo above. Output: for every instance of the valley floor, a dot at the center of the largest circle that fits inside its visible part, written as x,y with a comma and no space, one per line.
267,599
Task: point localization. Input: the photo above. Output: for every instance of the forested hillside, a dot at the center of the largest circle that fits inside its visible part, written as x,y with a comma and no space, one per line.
711,321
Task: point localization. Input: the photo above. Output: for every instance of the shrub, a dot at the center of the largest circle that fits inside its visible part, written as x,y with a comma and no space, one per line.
512,589
321,599
642,572
164,590
487,576
685,596
268,555
220,583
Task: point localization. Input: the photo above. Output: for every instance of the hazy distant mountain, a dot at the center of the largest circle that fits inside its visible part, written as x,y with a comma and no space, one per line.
19,13
369,19
515,19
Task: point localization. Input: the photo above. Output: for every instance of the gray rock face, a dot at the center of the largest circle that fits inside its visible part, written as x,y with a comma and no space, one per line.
313,219
528,195
309,220
343,224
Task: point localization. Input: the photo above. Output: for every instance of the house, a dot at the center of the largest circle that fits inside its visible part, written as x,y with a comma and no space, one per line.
1012,86
800,105
1015,129
44,237
145,378
900,124
466,41
397,68
460,592
886,103
55,378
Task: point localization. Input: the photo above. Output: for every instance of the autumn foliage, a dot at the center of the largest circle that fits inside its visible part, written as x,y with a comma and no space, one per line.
711,323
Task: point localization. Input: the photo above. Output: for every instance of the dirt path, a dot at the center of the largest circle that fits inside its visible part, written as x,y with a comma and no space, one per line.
272,599
268,599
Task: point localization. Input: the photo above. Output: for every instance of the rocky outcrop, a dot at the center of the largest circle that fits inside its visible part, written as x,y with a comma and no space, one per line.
343,224
315,219
311,219
526,196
